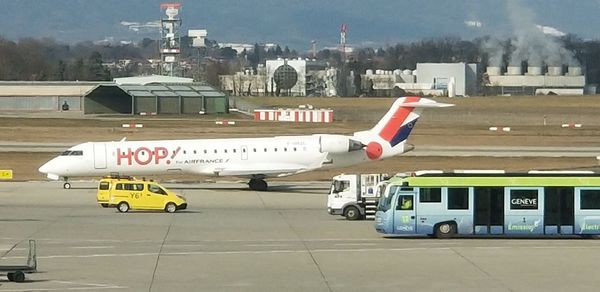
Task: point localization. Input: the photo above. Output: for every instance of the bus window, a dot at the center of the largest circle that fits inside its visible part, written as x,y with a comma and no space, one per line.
458,198
430,195
405,202
590,199
523,199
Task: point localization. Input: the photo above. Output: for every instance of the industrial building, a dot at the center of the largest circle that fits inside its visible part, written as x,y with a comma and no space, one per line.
536,80
433,79
295,77
43,96
132,95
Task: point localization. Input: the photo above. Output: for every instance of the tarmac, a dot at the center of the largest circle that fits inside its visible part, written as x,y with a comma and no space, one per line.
234,239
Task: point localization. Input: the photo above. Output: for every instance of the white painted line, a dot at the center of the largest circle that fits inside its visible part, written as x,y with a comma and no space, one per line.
266,245
93,247
354,244
86,287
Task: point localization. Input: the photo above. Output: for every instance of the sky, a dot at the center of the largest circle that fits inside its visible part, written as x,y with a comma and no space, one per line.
296,22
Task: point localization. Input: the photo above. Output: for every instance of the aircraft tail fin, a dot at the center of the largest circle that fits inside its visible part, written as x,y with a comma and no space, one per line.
398,122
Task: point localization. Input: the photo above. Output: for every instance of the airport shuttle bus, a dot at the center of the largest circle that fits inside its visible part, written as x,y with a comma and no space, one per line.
491,203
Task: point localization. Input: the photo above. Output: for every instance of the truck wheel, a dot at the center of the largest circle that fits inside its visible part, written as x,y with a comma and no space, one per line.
445,230
66,186
170,208
19,277
351,213
123,207
10,276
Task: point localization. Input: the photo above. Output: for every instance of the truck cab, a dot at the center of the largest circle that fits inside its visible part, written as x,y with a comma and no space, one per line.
355,196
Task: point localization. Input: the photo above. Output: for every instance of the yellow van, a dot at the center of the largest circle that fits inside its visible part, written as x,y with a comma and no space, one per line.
126,193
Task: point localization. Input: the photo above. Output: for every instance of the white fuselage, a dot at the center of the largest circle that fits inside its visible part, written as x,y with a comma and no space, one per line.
244,157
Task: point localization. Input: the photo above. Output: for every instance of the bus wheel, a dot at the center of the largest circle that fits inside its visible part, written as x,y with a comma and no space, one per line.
351,213
123,207
170,208
445,230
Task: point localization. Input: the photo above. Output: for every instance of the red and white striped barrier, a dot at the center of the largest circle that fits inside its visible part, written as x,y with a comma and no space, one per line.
225,122
571,126
132,125
294,115
500,129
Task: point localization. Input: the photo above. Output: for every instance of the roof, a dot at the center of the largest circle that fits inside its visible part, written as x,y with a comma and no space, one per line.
167,90
150,79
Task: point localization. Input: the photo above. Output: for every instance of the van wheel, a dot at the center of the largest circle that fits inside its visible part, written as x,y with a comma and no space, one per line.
351,213
445,230
123,207
170,208
10,276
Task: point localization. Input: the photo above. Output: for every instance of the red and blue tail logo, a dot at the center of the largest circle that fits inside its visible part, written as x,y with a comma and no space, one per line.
397,129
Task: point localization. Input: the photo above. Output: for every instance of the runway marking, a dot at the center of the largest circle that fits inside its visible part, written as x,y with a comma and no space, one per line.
266,245
87,286
354,244
93,247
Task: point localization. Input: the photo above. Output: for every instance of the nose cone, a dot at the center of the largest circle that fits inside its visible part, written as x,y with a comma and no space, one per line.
49,168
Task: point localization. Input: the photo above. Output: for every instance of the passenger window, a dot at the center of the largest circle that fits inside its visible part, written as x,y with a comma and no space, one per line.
284,149
184,152
225,150
265,149
156,189
104,186
194,151
458,198
215,150
66,153
76,153
139,187
275,149
234,151
430,195
205,151
254,149
405,202
294,149
129,187
590,199
119,187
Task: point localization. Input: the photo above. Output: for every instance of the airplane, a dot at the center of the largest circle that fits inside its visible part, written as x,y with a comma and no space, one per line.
253,158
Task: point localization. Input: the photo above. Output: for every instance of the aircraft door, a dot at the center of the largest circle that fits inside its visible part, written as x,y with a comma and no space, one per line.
405,214
244,152
99,155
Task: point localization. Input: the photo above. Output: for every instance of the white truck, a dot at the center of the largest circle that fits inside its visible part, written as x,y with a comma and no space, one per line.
355,196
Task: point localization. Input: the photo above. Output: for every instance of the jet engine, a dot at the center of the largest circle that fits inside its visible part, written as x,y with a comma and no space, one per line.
338,144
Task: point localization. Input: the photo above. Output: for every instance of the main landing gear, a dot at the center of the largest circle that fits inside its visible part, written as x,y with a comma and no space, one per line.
258,185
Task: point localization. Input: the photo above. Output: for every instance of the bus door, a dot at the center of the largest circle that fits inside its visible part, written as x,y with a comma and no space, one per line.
524,211
405,214
488,216
559,210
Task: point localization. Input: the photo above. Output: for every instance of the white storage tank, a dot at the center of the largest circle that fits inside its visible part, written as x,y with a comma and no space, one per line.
514,70
493,71
575,71
555,70
534,70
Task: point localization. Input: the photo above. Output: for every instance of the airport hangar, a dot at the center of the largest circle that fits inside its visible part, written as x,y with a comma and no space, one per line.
149,95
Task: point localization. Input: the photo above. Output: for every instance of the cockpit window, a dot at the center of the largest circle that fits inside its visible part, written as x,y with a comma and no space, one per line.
72,153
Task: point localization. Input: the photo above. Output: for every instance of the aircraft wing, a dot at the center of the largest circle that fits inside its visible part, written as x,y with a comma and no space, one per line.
260,169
